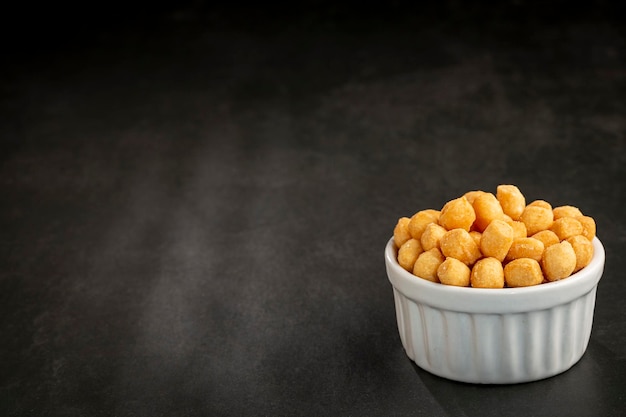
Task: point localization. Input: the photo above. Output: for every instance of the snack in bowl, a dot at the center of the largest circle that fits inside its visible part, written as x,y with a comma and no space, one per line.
504,228
490,318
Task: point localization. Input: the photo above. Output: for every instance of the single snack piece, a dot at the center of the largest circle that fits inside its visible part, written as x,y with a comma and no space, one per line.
511,199
523,272
431,236
537,218
487,209
547,237
496,240
541,203
526,247
408,253
589,226
457,214
566,211
583,248
487,273
454,272
458,244
476,235
519,228
427,264
559,261
420,220
566,227
471,195
401,231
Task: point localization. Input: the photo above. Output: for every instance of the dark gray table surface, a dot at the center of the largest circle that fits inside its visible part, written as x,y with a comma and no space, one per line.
195,199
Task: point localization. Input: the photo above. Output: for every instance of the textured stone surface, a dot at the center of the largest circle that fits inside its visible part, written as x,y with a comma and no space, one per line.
195,200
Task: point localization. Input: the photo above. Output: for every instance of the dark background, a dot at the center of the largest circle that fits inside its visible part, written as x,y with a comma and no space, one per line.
195,197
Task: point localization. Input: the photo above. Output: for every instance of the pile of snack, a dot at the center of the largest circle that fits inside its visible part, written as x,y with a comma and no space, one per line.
494,241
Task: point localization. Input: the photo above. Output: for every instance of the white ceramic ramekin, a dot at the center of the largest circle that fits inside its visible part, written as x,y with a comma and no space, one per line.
495,336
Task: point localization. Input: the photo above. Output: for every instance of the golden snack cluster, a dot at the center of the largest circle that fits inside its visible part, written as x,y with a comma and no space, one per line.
495,241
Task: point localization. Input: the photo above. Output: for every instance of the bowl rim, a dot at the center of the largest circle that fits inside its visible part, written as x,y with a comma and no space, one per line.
501,300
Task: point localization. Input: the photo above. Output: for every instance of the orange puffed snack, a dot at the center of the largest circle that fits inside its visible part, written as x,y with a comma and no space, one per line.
541,203
583,249
458,244
476,235
487,273
408,253
566,211
401,231
420,220
519,228
523,272
566,227
537,218
457,214
496,240
512,200
558,261
454,272
431,236
526,247
547,237
487,208
471,195
589,226
488,240
427,264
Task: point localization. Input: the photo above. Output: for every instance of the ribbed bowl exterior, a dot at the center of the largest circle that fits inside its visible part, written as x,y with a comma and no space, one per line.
492,343
495,348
